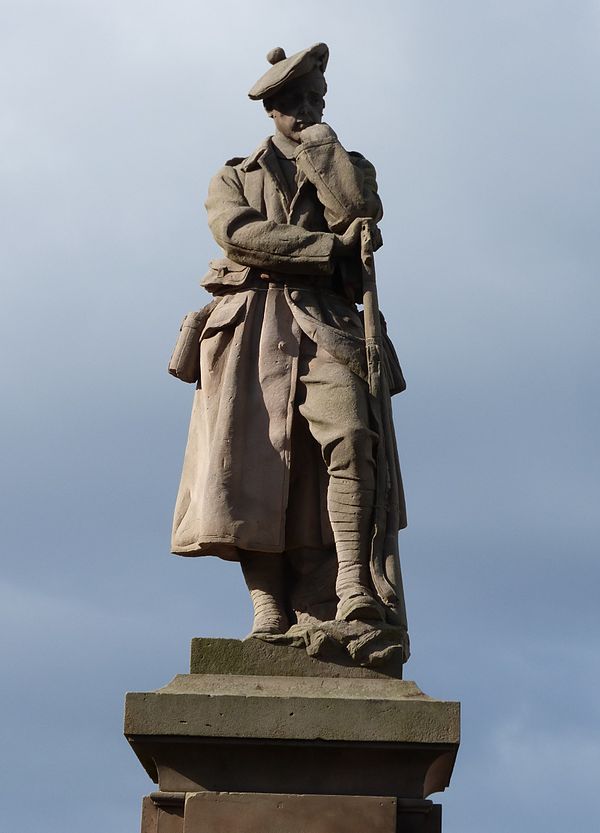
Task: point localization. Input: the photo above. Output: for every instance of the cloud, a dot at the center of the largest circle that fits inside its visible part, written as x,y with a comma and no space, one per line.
481,121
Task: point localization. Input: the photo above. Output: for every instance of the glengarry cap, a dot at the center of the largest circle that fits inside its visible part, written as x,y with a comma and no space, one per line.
286,69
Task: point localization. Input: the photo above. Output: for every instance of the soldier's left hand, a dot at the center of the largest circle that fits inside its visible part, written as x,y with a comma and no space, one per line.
376,238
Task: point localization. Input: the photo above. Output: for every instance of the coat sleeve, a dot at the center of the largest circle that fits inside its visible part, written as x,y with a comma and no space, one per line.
345,182
248,237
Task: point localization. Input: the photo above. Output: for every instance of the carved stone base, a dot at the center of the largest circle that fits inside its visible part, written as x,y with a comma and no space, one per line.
363,644
280,657
323,743
283,813
163,813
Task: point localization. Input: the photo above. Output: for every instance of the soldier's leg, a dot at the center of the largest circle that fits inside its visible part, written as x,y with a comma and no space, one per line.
264,576
334,401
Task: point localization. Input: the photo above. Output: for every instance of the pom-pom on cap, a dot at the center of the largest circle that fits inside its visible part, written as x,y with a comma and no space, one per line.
276,55
286,69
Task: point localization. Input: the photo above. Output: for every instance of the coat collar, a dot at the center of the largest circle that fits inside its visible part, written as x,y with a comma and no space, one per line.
265,157
264,154
285,147
251,163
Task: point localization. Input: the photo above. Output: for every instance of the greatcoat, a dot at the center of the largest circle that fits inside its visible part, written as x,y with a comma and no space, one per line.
253,477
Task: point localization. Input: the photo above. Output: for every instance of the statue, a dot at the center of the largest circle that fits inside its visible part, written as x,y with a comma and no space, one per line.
291,465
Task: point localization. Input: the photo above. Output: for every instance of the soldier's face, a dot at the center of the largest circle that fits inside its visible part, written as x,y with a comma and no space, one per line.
297,106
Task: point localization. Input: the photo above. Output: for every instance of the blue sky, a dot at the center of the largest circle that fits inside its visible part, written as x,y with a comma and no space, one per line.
482,120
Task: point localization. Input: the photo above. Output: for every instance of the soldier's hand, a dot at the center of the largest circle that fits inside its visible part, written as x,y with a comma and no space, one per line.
376,237
317,132
346,244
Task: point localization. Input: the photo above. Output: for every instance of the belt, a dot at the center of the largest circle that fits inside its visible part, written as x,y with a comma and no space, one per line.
274,280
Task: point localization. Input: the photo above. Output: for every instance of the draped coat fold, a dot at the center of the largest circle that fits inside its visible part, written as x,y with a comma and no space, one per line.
253,478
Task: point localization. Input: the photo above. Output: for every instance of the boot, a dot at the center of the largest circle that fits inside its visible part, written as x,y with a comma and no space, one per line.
351,524
356,599
264,578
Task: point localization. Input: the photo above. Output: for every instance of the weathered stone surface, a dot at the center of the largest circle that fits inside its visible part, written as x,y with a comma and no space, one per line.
319,768
299,708
163,813
291,466
242,733
305,491
257,813
255,657
227,812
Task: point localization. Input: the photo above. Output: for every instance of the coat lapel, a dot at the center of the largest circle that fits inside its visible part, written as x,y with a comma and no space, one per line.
265,158
268,162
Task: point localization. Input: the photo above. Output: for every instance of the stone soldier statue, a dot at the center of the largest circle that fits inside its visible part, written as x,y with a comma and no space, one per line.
280,470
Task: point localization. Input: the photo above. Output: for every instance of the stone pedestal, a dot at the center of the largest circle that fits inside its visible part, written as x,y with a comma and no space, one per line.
265,739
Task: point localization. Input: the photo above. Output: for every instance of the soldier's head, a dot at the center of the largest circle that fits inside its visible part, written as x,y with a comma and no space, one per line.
293,90
298,105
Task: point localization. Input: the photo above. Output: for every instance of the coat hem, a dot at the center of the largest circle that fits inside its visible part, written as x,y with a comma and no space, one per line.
224,547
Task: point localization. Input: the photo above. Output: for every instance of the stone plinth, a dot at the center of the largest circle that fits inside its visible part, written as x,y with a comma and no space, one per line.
277,813
333,649
207,812
289,743
230,656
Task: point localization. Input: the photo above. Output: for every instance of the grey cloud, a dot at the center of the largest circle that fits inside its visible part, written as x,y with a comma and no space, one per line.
481,120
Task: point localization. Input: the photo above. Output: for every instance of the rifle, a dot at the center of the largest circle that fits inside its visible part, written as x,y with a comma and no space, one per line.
385,559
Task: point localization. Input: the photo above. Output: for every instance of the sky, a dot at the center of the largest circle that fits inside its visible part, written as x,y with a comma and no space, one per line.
482,119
